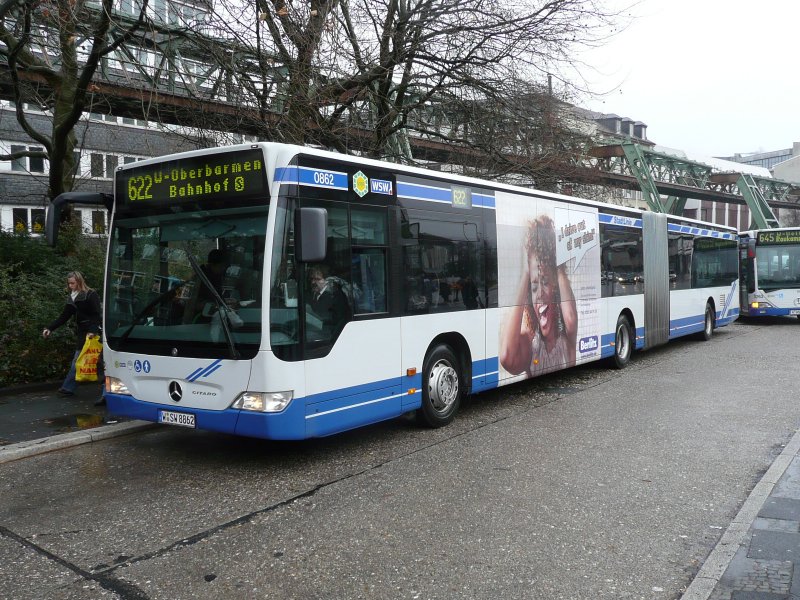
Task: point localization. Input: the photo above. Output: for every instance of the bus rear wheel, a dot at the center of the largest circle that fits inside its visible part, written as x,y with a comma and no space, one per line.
442,387
623,343
708,323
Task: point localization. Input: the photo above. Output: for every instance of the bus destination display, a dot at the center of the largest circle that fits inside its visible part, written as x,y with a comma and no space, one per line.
778,237
229,175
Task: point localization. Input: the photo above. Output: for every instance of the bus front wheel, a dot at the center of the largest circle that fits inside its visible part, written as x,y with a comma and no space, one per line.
708,323
442,388
623,343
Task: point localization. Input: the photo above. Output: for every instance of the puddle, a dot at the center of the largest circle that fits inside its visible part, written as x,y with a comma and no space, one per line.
77,421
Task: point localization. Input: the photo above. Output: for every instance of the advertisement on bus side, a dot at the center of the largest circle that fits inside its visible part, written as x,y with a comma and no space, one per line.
549,285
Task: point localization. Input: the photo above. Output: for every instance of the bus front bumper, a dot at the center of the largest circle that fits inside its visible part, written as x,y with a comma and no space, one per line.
288,424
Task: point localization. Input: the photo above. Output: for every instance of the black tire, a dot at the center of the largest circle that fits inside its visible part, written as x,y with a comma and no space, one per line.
623,342
708,323
442,387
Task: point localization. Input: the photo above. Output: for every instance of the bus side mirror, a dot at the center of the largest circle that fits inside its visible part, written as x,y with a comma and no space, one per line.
53,215
750,267
52,221
310,233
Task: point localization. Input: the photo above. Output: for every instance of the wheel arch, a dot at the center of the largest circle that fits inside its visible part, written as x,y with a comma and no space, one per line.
460,347
713,304
628,314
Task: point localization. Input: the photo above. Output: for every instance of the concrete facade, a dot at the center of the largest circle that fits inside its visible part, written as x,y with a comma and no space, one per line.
105,143
789,170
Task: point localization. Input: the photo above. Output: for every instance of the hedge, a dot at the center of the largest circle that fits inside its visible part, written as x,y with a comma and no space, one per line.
32,293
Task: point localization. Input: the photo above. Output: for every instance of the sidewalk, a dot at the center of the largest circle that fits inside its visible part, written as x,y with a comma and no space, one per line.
35,419
758,557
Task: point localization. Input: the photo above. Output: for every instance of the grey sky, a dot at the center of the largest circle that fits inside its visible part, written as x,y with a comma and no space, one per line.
713,77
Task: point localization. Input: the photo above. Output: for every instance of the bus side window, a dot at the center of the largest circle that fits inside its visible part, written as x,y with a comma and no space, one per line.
441,257
622,258
368,232
328,289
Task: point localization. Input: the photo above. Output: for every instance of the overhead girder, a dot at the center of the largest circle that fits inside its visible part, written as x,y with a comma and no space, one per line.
661,174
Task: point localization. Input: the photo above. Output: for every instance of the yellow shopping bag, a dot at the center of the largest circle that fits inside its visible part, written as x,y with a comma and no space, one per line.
86,363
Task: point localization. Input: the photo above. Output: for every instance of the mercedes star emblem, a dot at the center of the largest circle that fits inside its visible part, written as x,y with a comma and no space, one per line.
175,391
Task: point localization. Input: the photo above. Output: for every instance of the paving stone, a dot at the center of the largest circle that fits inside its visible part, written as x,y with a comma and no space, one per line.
774,545
776,525
758,596
787,509
789,483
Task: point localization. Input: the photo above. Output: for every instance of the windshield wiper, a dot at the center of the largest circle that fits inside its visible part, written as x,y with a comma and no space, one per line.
223,308
157,300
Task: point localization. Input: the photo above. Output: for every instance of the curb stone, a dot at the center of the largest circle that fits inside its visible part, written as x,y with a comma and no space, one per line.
721,556
67,440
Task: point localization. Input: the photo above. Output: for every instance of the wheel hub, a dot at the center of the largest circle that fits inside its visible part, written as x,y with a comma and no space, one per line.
442,386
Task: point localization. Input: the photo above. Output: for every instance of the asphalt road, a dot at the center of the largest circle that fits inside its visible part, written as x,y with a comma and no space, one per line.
588,484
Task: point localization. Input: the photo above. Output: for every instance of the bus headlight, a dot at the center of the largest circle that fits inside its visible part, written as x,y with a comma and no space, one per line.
115,386
263,401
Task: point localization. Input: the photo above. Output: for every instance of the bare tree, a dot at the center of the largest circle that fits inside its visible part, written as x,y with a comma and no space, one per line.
52,50
365,75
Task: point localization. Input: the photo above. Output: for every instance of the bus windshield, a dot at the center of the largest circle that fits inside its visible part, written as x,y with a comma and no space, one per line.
778,267
187,284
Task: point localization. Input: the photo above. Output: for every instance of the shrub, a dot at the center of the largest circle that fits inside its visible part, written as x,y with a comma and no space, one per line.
32,294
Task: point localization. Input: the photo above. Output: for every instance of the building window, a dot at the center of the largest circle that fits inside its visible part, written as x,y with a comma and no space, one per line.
18,164
37,220
36,162
20,216
28,220
28,164
98,221
97,165
111,165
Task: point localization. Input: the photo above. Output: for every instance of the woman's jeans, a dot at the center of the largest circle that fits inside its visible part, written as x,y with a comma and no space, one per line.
70,385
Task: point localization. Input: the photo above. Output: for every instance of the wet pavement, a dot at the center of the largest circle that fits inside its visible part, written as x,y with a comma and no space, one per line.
36,419
33,412
757,557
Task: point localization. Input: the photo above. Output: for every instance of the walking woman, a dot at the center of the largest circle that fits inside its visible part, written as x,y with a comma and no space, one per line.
84,304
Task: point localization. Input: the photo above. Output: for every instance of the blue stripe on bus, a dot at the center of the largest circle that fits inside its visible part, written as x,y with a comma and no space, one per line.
204,371
619,220
607,342
727,307
338,180
483,200
733,314
309,177
771,311
429,193
286,175
378,390
701,232
325,413
440,195
686,325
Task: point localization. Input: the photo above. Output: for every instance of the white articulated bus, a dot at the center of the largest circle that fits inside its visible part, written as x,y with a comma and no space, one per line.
770,272
284,292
